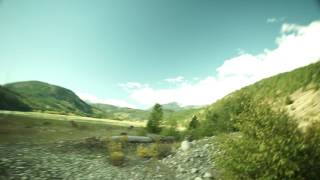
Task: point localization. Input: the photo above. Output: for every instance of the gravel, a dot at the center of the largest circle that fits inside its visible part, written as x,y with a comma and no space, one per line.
63,161
73,160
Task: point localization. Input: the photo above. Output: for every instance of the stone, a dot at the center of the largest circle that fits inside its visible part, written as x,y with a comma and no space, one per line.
185,145
194,170
207,175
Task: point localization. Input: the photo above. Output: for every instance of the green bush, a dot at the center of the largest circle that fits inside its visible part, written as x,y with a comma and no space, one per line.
171,131
194,123
142,132
114,146
117,158
146,152
269,146
115,149
155,150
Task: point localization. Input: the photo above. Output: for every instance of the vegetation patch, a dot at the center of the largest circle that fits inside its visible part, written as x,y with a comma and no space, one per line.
269,145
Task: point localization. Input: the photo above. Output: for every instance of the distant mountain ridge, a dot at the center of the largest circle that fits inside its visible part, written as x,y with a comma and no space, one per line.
121,113
45,97
174,106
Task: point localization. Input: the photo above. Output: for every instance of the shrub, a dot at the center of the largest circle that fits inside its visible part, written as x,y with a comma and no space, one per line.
145,152
171,132
155,150
117,158
269,146
194,123
114,146
141,132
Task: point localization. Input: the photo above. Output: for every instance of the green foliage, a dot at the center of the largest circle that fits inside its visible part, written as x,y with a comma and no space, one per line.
155,150
146,151
50,98
10,100
142,132
171,131
154,122
194,123
117,158
269,146
114,146
220,116
115,149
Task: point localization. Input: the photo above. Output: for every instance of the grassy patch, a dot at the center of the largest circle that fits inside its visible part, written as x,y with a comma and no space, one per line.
47,128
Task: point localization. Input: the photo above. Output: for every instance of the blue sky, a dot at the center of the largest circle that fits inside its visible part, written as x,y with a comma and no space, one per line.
138,52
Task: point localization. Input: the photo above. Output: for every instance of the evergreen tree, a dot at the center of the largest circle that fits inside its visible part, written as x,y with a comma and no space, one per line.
153,124
194,123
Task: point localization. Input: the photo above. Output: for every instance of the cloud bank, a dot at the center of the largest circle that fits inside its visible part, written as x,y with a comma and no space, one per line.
297,46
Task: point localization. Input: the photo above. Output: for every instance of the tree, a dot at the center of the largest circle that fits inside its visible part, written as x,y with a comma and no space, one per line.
194,123
153,124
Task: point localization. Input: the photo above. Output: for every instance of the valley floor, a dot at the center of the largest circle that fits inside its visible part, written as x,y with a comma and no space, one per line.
33,147
67,161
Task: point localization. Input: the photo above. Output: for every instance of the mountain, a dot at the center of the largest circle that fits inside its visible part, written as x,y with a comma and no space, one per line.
12,101
121,113
296,92
42,96
171,106
171,111
174,106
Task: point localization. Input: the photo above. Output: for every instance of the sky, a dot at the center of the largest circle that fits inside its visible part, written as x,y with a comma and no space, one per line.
135,53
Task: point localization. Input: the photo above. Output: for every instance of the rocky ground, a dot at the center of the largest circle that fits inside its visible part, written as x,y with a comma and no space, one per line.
194,162
66,160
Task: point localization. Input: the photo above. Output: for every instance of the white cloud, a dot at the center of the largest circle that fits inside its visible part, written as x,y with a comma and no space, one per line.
175,80
275,20
131,85
93,99
296,46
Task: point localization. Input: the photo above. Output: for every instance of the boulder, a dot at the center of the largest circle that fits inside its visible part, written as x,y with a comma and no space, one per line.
185,145
207,175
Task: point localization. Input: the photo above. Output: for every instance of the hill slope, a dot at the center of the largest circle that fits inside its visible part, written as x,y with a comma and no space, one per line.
180,114
12,101
121,113
296,92
46,97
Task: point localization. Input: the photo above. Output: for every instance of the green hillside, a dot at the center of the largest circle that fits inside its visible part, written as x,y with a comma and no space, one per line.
296,92
12,101
121,113
42,96
171,111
